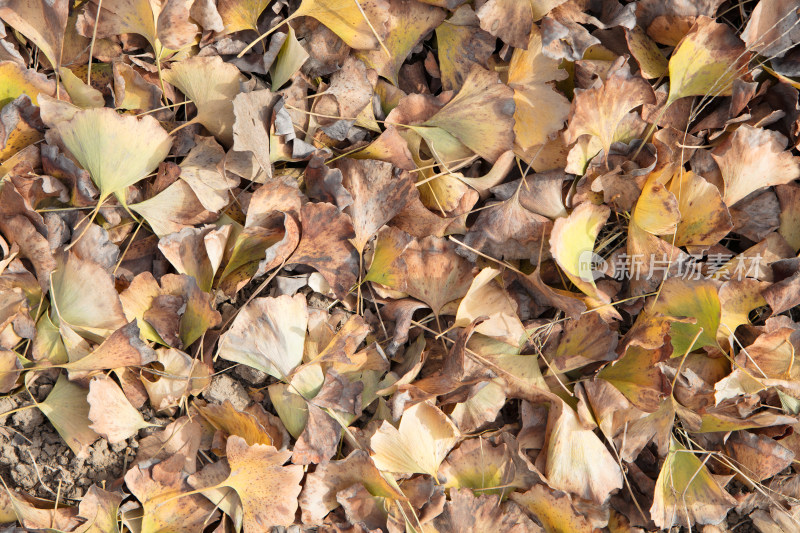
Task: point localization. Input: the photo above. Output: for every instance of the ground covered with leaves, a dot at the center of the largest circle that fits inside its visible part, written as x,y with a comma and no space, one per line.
399,265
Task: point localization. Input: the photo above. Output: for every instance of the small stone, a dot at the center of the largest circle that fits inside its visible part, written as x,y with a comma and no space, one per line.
224,387
252,376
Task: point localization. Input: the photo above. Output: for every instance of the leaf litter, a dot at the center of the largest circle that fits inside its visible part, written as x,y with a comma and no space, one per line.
399,265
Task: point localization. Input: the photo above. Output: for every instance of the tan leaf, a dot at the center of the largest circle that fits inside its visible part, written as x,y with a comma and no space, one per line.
754,158
111,413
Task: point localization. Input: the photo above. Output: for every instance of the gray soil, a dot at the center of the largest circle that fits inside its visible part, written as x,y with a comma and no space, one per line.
34,458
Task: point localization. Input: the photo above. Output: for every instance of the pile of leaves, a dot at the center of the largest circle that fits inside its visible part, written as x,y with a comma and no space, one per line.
399,265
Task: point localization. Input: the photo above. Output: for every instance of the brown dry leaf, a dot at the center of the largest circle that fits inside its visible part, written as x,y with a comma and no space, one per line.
164,508
253,112
319,440
754,158
44,23
330,478
606,111
196,252
122,348
378,194
431,271
325,245
99,508
466,511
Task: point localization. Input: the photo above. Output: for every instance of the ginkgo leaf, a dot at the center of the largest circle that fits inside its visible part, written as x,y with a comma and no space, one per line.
99,508
418,445
268,334
706,61
159,488
44,23
67,408
540,110
15,80
173,209
326,246
462,46
84,297
111,413
572,243
577,461
164,24
378,195
636,375
290,58
554,511
408,22
471,511
117,150
697,299
485,297
752,159
329,479
180,376
81,94
480,115
434,273
605,112
122,348
686,493
244,424
267,488
240,15
211,84
705,219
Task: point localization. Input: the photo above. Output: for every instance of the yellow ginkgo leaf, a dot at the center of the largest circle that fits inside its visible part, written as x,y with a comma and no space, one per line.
211,84
239,15
164,24
697,299
117,150
553,510
268,334
418,445
15,80
481,115
409,22
540,109
706,61
355,21
705,219
361,24
67,409
686,493
572,243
